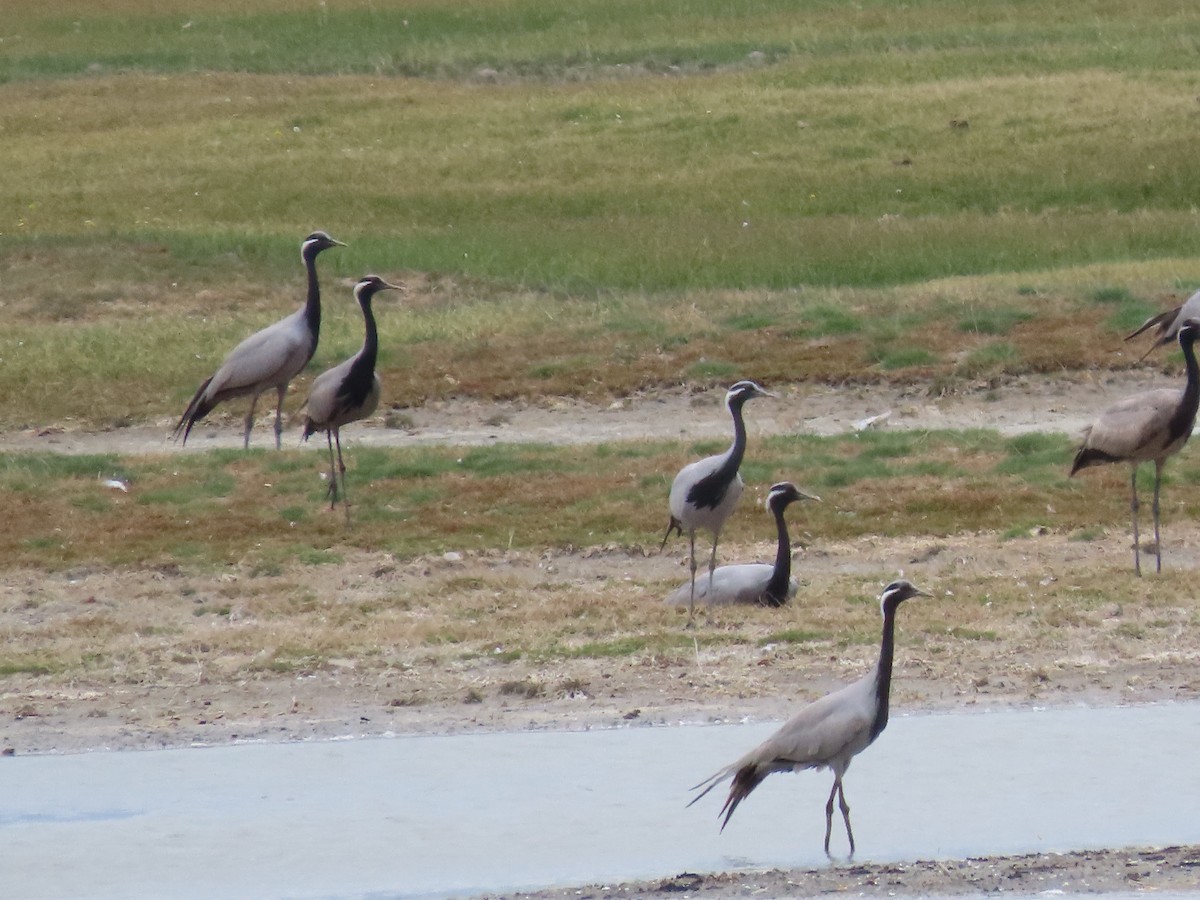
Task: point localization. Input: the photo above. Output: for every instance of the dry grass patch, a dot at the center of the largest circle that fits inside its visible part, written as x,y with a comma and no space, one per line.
265,509
532,634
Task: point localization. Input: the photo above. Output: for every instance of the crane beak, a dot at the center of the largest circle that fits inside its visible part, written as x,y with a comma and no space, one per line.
804,496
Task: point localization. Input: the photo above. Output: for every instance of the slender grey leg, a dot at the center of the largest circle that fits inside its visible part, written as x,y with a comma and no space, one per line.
845,808
249,422
1157,542
692,564
1133,507
331,492
829,814
712,561
337,437
281,392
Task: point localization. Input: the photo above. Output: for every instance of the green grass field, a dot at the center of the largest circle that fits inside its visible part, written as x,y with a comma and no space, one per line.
583,198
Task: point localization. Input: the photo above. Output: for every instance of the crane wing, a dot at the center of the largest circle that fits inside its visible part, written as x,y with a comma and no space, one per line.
835,726
274,355
742,583
1135,428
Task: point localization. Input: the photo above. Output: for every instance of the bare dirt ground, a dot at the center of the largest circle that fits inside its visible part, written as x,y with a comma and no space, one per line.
191,700
1062,403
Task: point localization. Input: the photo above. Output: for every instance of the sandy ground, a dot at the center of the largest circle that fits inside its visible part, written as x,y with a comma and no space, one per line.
1148,871
1063,403
204,705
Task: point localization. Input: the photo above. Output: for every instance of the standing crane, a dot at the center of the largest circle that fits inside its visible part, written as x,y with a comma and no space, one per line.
827,733
767,585
349,391
1148,427
1167,324
269,358
705,493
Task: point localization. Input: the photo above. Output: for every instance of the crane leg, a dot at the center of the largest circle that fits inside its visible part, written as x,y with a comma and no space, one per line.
712,561
845,808
840,792
1157,543
331,492
249,422
829,815
337,437
281,392
1133,508
691,622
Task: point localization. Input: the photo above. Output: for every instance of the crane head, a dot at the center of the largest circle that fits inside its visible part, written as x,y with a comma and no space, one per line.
784,493
369,285
316,242
1189,331
897,592
743,391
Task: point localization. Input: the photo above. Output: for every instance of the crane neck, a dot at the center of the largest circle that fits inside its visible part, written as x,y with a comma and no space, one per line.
733,456
777,586
1185,414
1191,392
883,670
370,349
312,304
362,371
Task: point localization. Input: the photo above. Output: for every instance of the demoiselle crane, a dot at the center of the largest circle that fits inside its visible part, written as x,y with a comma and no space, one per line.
827,733
758,583
269,358
705,493
1148,427
349,391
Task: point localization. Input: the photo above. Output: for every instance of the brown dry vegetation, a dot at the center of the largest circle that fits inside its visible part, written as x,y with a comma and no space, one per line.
100,357
310,629
371,645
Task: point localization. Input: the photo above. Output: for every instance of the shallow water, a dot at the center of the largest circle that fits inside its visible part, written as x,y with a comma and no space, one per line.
434,816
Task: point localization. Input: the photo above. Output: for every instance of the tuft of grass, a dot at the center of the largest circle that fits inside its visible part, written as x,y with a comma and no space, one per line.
995,321
792,636
997,356
12,666
712,369
1112,295
829,321
894,357
528,690
618,647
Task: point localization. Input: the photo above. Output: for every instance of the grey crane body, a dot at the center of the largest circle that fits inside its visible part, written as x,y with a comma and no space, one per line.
1167,324
755,583
827,733
705,493
1148,427
269,358
350,390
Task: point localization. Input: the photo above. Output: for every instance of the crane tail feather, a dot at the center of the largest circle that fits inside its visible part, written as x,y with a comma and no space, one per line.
709,783
1160,319
196,410
744,782
1090,456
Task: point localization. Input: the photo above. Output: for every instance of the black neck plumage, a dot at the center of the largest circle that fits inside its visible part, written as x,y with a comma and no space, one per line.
883,670
781,575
